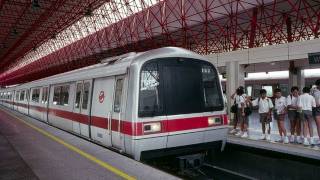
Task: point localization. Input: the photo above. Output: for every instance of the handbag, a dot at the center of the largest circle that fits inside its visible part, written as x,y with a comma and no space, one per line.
248,111
234,108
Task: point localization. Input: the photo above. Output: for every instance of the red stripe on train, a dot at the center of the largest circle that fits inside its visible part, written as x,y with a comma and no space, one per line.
131,128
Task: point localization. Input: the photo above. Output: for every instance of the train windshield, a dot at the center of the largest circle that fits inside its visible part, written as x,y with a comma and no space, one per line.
173,86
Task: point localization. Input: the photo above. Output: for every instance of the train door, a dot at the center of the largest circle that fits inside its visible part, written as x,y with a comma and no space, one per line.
44,103
117,137
101,112
81,107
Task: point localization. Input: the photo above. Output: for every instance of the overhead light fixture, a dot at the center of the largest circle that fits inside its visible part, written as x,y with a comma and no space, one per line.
35,4
15,32
88,11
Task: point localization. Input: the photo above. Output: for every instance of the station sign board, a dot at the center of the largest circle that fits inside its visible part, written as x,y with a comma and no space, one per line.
314,58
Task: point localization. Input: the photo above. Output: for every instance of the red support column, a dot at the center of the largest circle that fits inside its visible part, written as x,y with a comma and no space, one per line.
253,27
289,29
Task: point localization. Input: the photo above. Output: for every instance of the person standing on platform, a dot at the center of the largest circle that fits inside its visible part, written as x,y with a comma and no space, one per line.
240,100
316,110
293,115
280,113
305,104
238,97
265,108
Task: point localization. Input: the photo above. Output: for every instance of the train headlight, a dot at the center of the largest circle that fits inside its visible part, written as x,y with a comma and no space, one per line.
151,127
214,121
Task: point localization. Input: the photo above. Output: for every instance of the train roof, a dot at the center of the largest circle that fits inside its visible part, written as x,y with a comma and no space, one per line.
111,66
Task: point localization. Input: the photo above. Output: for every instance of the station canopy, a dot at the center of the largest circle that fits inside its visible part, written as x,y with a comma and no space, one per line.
39,38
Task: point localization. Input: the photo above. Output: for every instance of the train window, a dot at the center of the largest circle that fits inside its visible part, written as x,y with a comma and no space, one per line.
17,95
78,95
118,95
269,90
85,95
249,90
27,94
173,86
22,94
61,95
35,95
44,99
210,89
149,99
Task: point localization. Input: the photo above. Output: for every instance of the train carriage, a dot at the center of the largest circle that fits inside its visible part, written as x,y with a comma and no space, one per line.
163,101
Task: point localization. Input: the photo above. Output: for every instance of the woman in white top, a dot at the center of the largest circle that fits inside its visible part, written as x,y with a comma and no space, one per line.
279,114
240,100
305,103
294,115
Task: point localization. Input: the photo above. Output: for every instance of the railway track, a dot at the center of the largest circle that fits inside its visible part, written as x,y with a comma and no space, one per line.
215,172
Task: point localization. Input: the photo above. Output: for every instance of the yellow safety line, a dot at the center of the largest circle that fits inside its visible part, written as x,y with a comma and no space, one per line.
77,150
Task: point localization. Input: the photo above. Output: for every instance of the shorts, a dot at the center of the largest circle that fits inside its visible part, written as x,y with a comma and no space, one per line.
306,115
279,117
293,115
241,118
264,118
316,111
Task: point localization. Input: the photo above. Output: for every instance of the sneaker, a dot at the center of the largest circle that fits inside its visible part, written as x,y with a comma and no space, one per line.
312,142
263,137
299,140
244,135
306,142
292,139
233,131
280,140
286,140
268,137
239,133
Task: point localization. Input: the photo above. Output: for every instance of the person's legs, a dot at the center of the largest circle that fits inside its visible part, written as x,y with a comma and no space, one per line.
283,129
240,122
245,127
263,121
298,124
310,119
279,127
235,123
306,127
298,129
269,127
291,116
317,119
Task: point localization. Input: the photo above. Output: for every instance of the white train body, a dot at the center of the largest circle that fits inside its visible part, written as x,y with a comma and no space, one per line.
166,100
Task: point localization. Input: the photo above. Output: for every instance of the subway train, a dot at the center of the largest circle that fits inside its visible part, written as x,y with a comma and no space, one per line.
166,101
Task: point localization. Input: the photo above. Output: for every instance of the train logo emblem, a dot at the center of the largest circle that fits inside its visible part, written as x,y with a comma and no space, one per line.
101,96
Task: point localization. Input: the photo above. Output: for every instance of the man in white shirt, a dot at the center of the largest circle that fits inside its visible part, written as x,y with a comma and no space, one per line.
294,115
265,109
316,110
280,113
305,104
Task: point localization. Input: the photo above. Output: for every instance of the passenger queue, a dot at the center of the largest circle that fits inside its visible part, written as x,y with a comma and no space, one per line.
300,108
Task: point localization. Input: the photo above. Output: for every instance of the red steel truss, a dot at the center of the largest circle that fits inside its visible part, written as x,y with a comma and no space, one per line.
204,26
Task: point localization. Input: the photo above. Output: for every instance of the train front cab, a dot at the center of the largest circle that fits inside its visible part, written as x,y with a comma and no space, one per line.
180,108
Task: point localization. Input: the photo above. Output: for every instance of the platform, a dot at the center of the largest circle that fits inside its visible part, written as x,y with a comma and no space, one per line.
254,131
35,150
